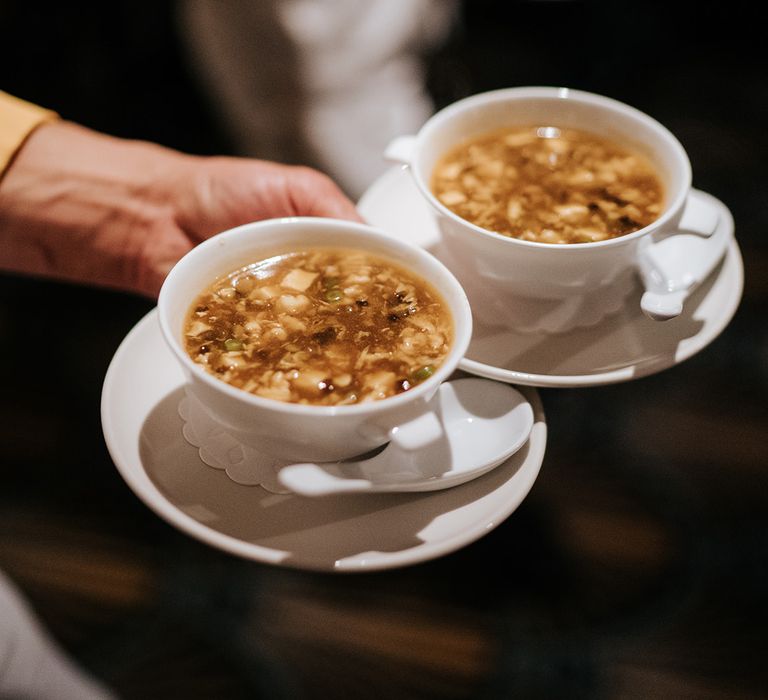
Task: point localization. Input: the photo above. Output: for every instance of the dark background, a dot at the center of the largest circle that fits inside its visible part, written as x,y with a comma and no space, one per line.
638,565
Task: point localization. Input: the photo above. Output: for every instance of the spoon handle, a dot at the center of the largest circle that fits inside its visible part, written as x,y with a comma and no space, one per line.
312,480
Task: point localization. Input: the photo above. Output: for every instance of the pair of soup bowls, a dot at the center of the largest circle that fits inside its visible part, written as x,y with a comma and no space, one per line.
501,265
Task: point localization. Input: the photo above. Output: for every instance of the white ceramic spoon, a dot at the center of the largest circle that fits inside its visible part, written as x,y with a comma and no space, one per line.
485,422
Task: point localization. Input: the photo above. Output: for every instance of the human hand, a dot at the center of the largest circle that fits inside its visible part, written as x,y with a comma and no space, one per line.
94,209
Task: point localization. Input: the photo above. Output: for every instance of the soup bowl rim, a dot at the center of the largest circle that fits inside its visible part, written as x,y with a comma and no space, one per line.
555,94
460,313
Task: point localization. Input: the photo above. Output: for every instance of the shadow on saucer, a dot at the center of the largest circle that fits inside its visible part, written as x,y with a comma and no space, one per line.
626,338
314,533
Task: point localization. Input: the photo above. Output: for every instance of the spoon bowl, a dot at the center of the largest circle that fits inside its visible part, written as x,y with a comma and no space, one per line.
484,423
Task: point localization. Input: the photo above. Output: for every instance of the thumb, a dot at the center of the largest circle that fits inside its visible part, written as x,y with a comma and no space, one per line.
164,246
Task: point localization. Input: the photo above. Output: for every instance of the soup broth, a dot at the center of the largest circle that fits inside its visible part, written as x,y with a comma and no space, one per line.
320,326
549,185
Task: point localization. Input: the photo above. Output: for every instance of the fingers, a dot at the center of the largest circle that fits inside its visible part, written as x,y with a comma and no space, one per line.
314,194
215,194
233,192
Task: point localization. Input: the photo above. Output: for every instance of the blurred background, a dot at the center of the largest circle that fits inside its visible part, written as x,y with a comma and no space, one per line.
638,565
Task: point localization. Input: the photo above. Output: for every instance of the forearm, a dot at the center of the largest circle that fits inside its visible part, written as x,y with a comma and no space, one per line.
94,209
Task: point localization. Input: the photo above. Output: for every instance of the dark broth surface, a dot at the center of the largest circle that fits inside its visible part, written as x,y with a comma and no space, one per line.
549,185
320,326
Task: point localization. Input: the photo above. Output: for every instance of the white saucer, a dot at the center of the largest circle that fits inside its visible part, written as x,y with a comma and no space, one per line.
365,532
623,346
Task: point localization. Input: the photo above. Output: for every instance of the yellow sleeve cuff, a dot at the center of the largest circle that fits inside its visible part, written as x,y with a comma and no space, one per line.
17,120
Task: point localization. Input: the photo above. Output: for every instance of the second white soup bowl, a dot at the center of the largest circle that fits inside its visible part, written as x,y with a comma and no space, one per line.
545,270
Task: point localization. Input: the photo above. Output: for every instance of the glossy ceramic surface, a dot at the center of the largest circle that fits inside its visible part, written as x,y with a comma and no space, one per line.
484,424
363,532
524,348
292,431
539,270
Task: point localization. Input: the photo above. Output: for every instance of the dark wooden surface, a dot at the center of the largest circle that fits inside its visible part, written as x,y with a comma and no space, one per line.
636,568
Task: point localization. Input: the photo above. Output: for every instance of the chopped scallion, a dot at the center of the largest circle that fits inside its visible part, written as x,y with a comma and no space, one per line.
423,373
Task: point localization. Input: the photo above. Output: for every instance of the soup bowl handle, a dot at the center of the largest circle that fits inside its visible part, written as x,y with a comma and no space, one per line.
401,149
700,217
674,262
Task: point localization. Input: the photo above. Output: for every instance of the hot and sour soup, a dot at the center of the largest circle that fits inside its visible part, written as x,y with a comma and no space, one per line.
320,326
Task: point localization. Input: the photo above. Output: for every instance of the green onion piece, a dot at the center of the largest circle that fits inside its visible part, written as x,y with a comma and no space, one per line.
423,373
333,295
330,282
232,344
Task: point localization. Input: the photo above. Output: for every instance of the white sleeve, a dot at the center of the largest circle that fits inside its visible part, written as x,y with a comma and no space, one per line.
342,76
